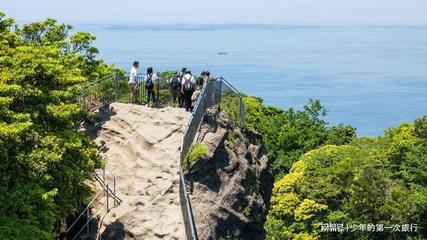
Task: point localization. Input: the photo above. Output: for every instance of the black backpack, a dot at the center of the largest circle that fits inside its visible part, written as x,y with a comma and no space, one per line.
149,84
175,83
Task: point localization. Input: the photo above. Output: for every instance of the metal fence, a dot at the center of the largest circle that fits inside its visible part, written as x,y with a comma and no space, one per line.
98,93
88,222
161,89
232,102
209,96
218,94
115,88
92,97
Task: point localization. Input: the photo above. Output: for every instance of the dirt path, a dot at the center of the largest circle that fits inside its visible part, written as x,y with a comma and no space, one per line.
141,147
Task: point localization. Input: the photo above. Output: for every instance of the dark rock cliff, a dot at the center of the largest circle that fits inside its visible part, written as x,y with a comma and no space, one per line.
231,188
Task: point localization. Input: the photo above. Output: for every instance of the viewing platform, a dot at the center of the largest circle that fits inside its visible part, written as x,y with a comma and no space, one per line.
144,149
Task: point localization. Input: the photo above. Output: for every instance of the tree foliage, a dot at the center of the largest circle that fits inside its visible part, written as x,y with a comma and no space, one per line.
44,161
338,178
368,181
290,133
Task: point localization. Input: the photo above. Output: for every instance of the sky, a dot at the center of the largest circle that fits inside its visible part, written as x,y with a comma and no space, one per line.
315,12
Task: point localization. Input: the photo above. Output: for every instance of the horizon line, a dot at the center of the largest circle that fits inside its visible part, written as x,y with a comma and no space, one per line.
266,24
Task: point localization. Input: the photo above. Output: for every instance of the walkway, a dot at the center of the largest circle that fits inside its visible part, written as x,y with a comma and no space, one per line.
141,147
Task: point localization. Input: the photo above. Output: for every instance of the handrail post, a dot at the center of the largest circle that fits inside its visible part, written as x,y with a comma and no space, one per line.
143,90
87,221
114,191
220,94
108,194
103,177
158,91
116,88
242,112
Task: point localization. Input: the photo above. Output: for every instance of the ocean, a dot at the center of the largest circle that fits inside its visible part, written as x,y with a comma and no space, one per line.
371,77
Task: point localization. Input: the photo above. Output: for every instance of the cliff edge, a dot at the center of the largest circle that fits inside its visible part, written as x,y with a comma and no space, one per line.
231,187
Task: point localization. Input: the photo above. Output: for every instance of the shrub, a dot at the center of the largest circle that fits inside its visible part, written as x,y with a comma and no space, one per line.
197,150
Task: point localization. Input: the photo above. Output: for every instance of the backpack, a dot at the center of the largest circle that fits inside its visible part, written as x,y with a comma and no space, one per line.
188,85
149,84
174,83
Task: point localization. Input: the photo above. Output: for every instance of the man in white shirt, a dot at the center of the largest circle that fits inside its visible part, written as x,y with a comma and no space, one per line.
133,81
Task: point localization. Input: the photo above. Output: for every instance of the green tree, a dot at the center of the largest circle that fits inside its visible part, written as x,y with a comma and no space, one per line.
289,133
369,181
44,161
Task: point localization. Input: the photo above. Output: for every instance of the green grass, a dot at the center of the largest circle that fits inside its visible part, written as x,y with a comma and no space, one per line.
198,150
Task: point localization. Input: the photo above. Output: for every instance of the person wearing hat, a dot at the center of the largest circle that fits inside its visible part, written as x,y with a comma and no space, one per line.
187,88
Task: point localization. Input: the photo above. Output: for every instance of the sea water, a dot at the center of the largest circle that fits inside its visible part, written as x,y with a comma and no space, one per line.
370,77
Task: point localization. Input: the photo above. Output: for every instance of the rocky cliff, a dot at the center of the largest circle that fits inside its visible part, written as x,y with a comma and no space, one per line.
141,148
231,187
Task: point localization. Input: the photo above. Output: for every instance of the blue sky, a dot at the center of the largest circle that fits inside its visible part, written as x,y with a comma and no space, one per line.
321,12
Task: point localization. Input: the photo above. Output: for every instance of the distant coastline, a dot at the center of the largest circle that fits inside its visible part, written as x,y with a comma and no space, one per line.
212,27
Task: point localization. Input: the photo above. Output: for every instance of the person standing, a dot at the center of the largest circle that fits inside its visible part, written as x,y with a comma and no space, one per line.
201,79
150,80
208,77
181,77
175,88
133,82
187,89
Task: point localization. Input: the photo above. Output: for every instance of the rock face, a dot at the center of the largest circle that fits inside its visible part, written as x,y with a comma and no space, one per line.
141,148
231,188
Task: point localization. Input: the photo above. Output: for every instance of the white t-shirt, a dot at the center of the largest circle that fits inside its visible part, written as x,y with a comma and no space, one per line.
187,76
133,76
154,78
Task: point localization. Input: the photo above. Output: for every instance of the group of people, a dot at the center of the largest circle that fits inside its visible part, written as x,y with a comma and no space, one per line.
185,89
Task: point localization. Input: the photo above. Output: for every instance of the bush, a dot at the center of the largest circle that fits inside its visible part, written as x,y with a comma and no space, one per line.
197,150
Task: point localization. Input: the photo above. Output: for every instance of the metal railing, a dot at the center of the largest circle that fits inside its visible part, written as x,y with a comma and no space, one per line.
98,93
93,211
232,102
123,92
115,87
222,94
92,97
